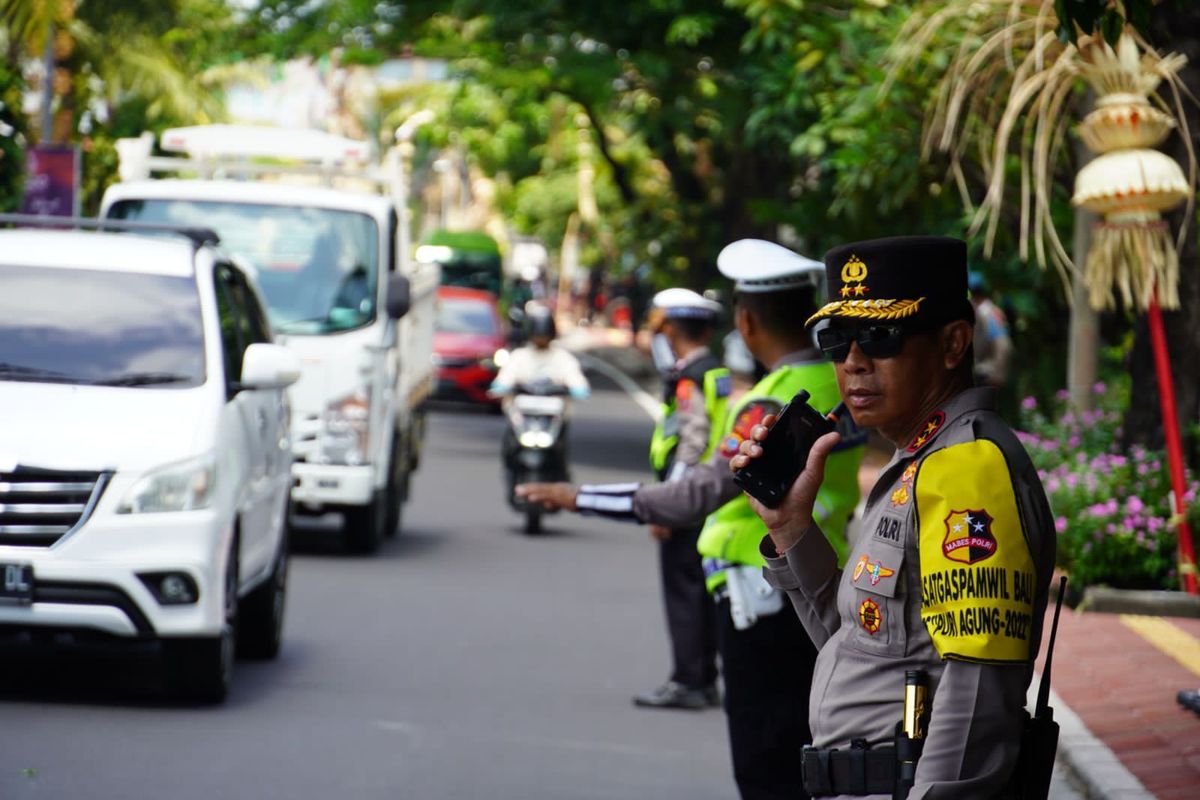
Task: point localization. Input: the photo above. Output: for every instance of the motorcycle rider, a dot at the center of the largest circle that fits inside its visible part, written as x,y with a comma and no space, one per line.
537,362
541,359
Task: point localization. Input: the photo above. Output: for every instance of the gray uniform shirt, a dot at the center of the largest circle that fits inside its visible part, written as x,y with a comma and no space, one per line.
867,619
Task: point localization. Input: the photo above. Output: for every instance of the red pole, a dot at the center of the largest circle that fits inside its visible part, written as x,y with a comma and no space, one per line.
1166,394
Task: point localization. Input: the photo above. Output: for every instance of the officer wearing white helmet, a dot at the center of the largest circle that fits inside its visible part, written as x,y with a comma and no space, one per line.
757,637
695,390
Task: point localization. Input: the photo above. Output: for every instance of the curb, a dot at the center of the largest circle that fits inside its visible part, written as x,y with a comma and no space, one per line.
1098,770
1145,602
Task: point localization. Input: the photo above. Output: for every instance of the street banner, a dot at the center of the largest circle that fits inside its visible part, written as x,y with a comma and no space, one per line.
51,181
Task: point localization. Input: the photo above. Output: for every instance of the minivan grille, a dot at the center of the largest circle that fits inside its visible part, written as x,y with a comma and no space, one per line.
40,506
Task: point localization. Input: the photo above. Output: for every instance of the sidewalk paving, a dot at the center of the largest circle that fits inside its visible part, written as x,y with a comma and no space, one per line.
1119,674
1114,680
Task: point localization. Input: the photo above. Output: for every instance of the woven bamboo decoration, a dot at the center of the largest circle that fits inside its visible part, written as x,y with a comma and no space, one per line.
1129,183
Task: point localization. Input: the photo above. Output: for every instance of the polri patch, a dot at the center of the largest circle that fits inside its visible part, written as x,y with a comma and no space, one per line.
870,617
888,529
969,537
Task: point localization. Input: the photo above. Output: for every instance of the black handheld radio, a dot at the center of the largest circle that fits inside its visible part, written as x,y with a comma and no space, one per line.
785,450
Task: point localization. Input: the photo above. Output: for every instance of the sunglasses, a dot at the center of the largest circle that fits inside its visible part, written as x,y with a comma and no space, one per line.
875,341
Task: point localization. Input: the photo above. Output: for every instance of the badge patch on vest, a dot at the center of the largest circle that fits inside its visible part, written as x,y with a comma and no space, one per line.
978,577
926,434
685,392
876,570
870,617
750,416
724,385
969,536
900,496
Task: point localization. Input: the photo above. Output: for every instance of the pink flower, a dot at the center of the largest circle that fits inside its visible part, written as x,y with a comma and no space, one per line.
1134,505
1060,525
1029,403
1062,394
1099,388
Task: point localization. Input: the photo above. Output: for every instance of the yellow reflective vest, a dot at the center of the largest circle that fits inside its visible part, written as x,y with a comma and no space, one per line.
715,382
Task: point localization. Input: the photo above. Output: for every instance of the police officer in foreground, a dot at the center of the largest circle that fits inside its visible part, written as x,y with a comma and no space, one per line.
759,640
695,389
947,580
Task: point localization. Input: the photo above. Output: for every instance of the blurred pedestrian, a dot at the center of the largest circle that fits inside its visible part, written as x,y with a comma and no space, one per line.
947,582
766,658
695,391
993,345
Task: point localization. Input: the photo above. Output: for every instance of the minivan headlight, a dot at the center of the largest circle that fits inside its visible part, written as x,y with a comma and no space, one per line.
182,486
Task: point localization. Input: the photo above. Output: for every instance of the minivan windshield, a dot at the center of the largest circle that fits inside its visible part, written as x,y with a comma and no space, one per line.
100,327
318,268
465,316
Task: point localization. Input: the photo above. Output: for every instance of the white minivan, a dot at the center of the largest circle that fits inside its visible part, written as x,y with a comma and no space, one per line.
145,459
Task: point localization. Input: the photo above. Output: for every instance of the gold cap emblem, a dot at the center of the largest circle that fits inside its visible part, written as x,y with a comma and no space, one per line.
854,271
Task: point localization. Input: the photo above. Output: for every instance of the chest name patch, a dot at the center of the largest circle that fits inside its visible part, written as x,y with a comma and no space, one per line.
888,529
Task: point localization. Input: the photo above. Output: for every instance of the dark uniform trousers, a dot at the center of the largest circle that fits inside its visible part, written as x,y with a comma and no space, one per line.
768,674
691,616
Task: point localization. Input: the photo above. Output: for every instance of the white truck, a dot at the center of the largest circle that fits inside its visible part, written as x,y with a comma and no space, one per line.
327,240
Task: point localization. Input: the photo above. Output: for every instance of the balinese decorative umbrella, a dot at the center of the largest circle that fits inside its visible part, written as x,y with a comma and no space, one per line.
1130,184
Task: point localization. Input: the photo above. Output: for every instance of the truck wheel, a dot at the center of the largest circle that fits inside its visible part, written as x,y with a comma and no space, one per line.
364,524
396,491
201,670
260,629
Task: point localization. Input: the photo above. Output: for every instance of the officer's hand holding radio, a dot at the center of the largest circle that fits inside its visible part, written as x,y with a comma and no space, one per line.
788,521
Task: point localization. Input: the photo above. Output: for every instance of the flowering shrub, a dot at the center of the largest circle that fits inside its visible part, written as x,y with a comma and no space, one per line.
1112,507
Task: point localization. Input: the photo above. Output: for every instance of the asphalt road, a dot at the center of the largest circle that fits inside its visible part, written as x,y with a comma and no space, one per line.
466,660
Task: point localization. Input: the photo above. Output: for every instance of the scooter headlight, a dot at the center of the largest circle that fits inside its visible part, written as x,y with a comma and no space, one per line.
536,439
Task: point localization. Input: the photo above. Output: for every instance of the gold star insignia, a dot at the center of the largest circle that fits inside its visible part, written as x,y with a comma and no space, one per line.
920,440
846,290
860,290
931,426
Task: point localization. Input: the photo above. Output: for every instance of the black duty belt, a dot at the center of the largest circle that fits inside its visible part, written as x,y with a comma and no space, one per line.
856,771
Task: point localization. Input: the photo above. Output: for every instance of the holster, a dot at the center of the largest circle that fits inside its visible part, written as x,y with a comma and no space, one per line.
908,753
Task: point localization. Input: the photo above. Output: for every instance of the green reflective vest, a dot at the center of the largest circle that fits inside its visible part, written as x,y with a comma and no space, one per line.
715,382
732,533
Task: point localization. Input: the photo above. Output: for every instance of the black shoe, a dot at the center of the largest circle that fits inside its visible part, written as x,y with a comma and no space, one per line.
712,695
1189,699
673,695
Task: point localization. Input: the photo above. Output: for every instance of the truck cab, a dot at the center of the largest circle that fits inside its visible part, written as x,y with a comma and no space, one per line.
322,234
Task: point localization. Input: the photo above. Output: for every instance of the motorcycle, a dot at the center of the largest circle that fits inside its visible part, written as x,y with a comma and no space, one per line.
535,445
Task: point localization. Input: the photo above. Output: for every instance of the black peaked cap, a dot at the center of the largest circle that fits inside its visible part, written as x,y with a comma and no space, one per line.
914,280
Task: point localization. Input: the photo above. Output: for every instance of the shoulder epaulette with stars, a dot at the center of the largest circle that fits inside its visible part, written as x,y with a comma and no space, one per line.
927,432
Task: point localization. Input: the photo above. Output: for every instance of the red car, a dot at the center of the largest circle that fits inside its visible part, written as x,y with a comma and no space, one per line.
467,335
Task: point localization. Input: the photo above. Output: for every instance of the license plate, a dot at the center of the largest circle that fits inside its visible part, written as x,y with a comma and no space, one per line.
16,585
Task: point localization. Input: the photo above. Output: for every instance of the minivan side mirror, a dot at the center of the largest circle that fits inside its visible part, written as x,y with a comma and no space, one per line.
399,296
269,366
